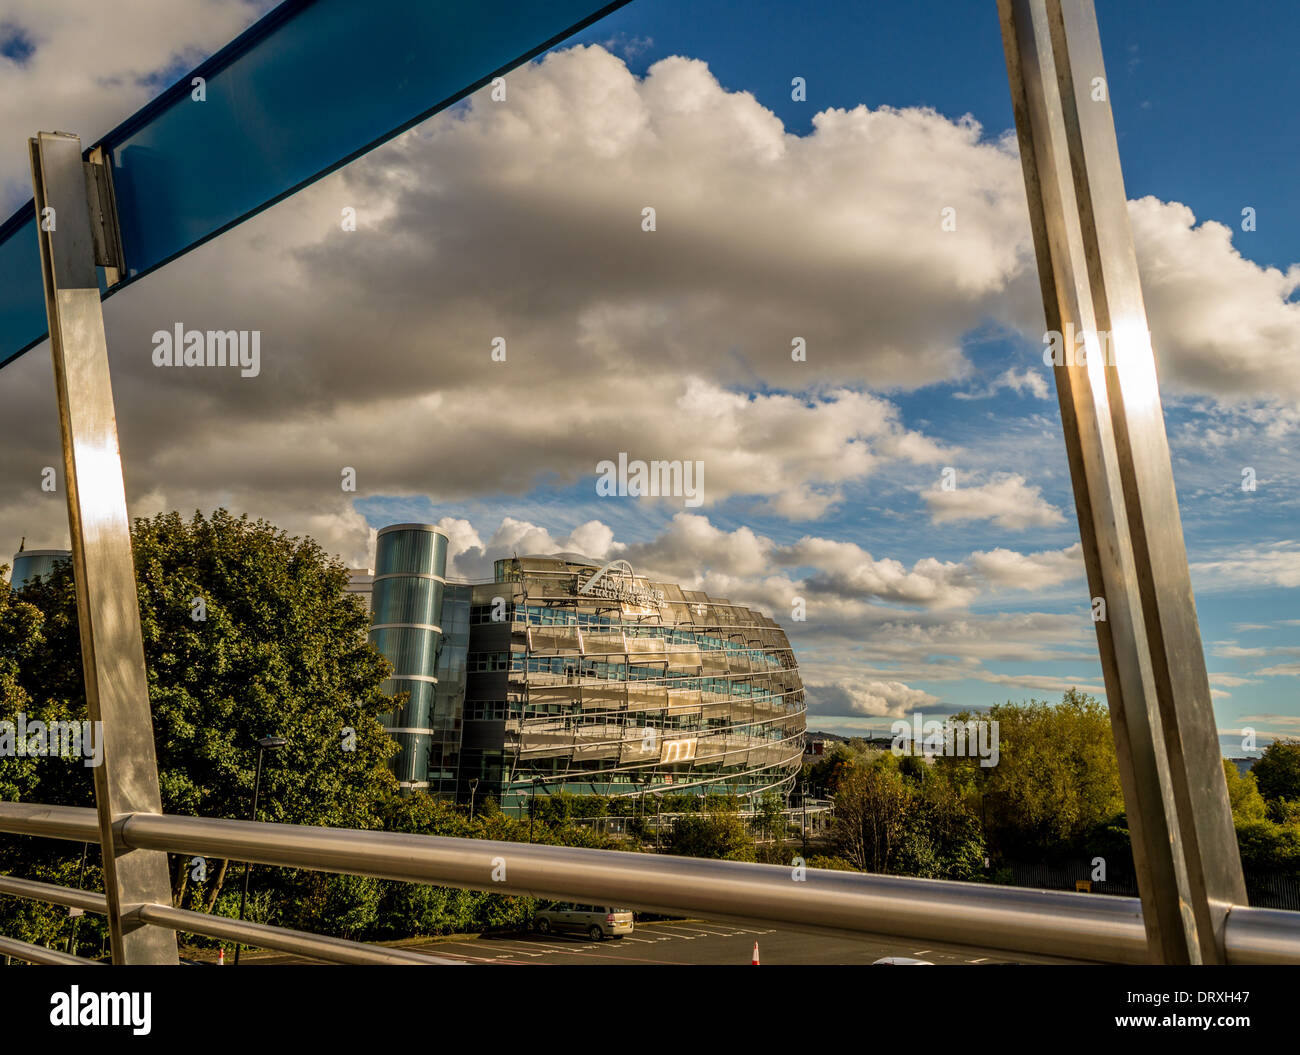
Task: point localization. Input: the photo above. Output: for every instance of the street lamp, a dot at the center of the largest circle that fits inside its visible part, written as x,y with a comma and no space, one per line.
266,743
803,801
473,787
532,807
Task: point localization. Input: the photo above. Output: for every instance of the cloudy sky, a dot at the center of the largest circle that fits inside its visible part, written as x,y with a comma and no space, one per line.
776,219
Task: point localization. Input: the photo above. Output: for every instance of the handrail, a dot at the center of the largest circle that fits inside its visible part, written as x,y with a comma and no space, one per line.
1045,922
24,950
1054,923
282,939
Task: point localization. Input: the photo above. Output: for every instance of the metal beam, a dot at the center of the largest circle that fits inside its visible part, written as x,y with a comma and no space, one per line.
315,946
1050,923
112,653
1184,844
51,893
301,943
40,954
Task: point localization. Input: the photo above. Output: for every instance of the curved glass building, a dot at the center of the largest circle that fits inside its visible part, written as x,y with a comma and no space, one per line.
563,674
35,563
588,679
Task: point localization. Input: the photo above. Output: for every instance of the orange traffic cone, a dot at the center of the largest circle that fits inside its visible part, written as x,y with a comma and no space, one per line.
754,961
221,956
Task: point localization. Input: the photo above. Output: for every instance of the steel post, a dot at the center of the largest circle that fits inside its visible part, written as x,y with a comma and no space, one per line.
112,652
1184,844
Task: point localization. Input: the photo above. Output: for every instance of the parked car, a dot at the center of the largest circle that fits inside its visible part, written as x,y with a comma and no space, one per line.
902,961
596,922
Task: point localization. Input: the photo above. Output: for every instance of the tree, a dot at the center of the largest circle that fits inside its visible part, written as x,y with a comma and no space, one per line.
1056,781
870,815
771,816
717,833
825,775
1243,794
1277,773
247,632
889,821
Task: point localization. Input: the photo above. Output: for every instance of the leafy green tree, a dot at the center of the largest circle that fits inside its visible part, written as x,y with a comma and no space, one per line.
825,775
1269,847
1247,803
943,838
770,812
248,632
715,833
871,807
1277,773
889,821
1056,779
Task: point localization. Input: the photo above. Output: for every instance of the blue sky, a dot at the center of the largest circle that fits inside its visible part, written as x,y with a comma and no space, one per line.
775,218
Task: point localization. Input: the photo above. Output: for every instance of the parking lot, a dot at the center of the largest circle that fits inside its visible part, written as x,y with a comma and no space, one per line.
689,942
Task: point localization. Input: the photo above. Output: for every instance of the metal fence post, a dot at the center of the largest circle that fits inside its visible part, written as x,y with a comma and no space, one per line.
1184,843
76,230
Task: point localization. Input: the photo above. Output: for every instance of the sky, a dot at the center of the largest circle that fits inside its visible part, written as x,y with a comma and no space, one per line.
776,219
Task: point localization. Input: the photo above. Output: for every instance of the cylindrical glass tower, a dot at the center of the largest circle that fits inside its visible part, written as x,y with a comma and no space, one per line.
406,613
34,563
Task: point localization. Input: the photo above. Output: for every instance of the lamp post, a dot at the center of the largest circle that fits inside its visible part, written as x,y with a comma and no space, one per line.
803,801
76,914
266,743
473,787
532,807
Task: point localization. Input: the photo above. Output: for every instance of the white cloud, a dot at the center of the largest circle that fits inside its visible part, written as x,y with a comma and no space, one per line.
1019,381
883,698
1007,500
1029,571
1275,564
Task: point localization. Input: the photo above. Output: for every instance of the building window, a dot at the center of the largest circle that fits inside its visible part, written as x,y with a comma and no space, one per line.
485,662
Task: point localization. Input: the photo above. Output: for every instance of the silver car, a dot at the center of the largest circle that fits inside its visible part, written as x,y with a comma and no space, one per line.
596,922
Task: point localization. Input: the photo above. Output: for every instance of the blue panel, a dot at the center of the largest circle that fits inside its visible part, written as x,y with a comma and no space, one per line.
22,289
311,86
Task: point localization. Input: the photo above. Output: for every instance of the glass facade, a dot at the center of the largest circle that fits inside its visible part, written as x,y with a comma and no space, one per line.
596,681
561,675
449,693
35,563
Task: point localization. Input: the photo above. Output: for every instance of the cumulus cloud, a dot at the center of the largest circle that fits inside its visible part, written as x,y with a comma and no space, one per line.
1272,565
1007,500
873,698
693,549
1029,571
1222,325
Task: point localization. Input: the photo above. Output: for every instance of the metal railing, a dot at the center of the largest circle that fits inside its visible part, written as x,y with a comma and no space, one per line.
1013,920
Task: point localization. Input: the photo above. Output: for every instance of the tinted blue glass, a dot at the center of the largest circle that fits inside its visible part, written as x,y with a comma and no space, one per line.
310,87
22,290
